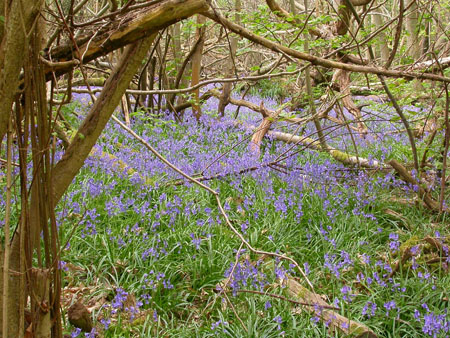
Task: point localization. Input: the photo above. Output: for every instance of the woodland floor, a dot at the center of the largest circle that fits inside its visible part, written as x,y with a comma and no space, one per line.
148,257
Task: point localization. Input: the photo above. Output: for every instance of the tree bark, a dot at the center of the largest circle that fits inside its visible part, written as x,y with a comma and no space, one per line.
19,22
197,64
226,92
91,128
412,39
383,43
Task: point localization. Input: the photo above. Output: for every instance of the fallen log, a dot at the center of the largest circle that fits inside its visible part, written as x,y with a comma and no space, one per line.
338,155
432,65
335,321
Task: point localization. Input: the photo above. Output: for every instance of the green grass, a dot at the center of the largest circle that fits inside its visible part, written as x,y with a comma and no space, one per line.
190,305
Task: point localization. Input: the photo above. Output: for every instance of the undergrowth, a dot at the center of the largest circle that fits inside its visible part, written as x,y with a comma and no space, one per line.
150,257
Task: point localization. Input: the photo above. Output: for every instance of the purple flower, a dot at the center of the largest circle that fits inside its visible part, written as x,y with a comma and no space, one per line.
75,333
435,324
105,322
346,292
369,305
63,265
119,299
306,268
416,314
415,250
394,244
91,334
267,305
389,306
215,325
196,241
278,320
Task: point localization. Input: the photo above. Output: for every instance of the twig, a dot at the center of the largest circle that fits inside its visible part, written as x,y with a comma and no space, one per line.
235,312
274,295
12,163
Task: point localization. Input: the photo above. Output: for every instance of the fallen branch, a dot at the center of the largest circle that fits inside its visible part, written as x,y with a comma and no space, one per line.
432,65
263,128
338,155
273,295
408,178
335,320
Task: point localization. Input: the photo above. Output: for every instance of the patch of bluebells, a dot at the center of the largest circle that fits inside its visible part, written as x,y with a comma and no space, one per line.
77,332
394,243
279,321
191,150
119,304
369,309
390,305
433,324
335,263
217,324
246,274
346,292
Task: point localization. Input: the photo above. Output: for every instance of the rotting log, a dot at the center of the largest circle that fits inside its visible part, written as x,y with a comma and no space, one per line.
336,321
338,155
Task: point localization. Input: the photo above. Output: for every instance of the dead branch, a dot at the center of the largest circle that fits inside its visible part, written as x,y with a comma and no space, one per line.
335,320
408,178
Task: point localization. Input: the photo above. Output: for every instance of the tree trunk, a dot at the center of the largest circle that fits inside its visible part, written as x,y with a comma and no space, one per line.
224,99
412,39
12,49
383,43
197,64
92,126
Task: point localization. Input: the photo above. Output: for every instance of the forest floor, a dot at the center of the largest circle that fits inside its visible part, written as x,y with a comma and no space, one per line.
150,255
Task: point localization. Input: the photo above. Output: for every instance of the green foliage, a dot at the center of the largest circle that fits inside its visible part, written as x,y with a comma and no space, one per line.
273,88
151,120
113,256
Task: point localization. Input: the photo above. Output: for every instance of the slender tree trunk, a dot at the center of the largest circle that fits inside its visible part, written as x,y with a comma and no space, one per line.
224,99
412,40
197,64
383,43
19,21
